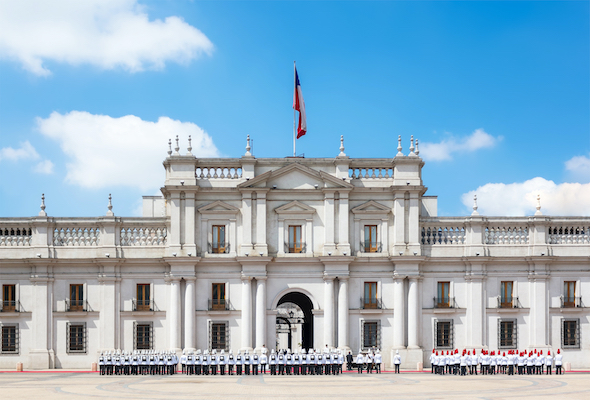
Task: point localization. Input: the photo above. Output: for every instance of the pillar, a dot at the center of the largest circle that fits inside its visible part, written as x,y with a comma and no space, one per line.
246,312
260,312
189,314
398,313
174,310
246,243
343,231
343,313
329,311
329,245
413,313
475,312
261,246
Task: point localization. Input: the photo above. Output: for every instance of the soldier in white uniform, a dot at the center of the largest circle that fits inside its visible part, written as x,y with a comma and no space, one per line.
558,362
222,361
247,362
183,361
101,365
272,362
281,362
255,361
231,361
239,362
296,362
360,360
205,362
397,360
198,362
263,360
213,361
190,363
548,362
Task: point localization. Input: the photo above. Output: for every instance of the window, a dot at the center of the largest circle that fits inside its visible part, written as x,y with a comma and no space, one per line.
570,334
218,239
76,337
218,335
371,334
8,297
443,334
371,245
144,335
295,245
10,343
370,299
143,297
443,299
569,294
76,298
507,334
218,300
506,300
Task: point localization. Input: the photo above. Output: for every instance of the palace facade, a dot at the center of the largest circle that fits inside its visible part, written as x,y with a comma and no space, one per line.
241,253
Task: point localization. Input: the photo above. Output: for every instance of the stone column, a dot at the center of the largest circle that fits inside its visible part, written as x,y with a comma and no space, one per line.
246,312
189,314
343,313
261,246
398,313
538,313
343,231
475,313
174,310
329,245
413,313
329,311
260,312
246,210
174,236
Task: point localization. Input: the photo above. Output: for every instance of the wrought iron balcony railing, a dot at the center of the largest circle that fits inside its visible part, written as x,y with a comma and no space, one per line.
10,306
218,305
144,305
508,302
371,247
295,248
219,248
571,302
368,303
77,305
444,302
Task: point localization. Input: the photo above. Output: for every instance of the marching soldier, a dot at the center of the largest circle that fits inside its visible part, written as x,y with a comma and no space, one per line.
263,360
190,363
239,362
205,362
272,361
222,362
280,363
183,361
231,362
101,363
198,362
213,362
360,360
378,361
558,362
255,363
247,362
549,362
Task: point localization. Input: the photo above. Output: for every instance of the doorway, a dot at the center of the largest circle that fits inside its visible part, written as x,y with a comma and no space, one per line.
294,322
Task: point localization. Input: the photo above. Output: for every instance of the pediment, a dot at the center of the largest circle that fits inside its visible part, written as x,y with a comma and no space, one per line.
295,207
218,207
371,207
296,176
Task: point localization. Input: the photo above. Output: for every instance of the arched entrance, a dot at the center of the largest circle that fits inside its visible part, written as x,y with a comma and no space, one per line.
294,322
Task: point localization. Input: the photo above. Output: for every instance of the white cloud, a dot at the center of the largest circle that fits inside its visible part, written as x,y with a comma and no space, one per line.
104,33
105,151
443,151
44,167
579,167
520,198
26,151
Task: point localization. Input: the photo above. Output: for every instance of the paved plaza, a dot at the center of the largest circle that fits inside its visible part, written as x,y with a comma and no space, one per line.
48,385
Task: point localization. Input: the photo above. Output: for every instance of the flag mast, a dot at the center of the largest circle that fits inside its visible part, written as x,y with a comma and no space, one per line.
294,111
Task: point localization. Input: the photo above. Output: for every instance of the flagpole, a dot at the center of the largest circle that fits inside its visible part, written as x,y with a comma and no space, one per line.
294,113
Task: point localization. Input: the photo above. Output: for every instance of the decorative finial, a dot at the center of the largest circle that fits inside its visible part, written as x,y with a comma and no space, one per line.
474,205
248,146
110,207
399,145
177,146
42,213
412,145
190,146
169,147
341,147
417,151
538,212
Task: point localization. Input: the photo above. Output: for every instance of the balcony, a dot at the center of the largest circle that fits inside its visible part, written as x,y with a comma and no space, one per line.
218,305
10,306
219,248
571,302
295,248
371,247
371,303
444,302
144,305
77,305
508,302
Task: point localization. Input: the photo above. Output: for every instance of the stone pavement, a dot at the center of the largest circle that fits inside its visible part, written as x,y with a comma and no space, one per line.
47,385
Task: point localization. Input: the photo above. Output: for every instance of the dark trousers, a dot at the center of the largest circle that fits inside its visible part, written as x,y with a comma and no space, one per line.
238,369
397,368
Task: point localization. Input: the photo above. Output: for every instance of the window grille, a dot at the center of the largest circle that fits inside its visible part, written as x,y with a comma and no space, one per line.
507,334
443,334
10,339
570,333
76,337
371,334
143,333
219,335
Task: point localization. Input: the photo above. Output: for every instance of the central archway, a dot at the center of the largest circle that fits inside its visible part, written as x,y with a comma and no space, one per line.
305,304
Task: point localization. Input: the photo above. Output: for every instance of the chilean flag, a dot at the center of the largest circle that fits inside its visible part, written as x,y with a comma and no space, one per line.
299,105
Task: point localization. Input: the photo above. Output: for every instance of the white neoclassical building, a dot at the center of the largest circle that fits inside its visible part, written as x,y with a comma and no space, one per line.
240,253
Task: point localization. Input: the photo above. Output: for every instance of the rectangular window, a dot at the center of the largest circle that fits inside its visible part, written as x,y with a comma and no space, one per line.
76,338
218,335
218,300
507,334
370,299
506,299
8,297
371,334
371,245
144,335
570,334
443,299
76,298
295,245
569,294
10,343
143,297
443,334
218,239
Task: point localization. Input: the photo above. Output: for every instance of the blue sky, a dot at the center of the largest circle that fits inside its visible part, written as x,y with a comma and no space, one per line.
498,93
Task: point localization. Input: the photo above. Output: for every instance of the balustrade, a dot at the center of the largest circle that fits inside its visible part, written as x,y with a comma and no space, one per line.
506,235
143,236
371,172
76,236
568,235
443,235
15,236
218,172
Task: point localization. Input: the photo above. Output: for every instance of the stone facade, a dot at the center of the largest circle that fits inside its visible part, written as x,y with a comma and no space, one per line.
355,244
